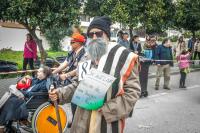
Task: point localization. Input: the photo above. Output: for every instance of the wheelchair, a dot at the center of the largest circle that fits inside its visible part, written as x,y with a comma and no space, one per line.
32,103
41,116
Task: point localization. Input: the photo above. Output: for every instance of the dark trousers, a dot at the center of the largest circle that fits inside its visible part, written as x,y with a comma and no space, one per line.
73,107
182,79
143,75
13,109
195,55
26,62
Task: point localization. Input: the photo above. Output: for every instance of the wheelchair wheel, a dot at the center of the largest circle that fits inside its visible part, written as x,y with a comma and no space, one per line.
44,119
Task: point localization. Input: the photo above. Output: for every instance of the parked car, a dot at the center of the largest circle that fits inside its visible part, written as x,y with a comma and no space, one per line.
61,59
7,66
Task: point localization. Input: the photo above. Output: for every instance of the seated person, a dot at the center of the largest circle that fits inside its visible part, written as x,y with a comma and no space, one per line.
15,107
77,54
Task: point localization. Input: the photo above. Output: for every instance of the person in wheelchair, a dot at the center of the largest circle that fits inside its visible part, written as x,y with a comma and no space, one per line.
15,106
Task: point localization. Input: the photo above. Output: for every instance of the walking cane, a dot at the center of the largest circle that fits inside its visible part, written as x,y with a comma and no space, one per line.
57,110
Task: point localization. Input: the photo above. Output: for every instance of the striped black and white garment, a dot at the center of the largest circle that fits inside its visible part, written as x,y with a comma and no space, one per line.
118,62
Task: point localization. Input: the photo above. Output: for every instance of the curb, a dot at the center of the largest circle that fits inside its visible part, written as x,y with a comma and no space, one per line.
174,73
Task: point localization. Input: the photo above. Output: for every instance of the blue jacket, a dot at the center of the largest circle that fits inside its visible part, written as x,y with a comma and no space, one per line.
190,44
164,53
37,86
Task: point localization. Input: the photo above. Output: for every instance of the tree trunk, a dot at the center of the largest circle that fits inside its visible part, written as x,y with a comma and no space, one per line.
131,32
38,42
40,46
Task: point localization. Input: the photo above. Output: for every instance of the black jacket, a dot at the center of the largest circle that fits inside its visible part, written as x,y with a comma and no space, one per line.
138,48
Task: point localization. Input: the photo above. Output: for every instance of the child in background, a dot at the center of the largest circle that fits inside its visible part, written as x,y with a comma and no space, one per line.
183,61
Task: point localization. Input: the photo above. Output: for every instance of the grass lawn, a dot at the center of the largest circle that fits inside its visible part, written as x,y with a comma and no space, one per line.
17,56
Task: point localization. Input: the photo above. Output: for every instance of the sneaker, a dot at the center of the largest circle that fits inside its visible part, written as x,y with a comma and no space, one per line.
166,88
145,94
156,88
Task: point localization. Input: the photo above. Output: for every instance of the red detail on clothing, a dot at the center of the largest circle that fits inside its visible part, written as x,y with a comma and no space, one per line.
127,73
24,84
31,50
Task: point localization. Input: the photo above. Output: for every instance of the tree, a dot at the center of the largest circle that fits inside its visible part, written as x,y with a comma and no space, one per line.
187,15
40,14
154,15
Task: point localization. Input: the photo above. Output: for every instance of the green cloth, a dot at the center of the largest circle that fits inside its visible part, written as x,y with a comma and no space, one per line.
186,70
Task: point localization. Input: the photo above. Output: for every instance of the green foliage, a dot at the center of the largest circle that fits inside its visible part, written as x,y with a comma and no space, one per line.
45,15
54,36
174,38
188,34
154,15
17,56
187,15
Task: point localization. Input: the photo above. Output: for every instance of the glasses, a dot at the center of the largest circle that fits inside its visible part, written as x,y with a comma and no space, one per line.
98,34
72,42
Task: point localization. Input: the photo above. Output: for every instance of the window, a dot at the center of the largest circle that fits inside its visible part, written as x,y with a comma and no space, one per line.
85,18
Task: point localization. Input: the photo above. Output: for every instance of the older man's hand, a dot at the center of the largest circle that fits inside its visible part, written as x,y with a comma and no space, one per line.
53,95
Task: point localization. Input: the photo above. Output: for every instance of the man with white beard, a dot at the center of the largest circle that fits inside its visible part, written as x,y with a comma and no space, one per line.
120,98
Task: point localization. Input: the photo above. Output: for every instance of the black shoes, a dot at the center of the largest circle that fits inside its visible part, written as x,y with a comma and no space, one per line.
182,86
144,94
156,88
166,88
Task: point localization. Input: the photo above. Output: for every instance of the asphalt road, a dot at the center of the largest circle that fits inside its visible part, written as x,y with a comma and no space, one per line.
168,111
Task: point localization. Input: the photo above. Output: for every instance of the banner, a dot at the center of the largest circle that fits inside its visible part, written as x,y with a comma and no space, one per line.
91,91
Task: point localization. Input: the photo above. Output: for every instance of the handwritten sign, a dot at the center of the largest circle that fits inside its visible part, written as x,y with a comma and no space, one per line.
91,91
83,69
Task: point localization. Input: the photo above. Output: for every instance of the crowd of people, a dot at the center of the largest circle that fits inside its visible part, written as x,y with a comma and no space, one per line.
161,55
128,61
111,59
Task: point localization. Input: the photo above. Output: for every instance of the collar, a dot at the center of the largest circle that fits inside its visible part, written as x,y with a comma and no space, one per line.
77,52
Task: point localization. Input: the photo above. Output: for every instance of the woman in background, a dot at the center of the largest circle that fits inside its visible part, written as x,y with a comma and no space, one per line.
30,53
181,45
135,45
184,63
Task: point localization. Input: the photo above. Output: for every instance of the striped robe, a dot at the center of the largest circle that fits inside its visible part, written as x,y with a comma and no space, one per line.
118,62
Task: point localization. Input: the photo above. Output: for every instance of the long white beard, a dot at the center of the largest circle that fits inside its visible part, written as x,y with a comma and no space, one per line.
96,49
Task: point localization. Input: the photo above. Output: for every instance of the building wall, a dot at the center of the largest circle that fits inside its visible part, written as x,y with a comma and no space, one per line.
15,38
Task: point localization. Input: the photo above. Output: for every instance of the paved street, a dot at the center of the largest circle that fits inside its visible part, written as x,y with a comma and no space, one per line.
167,111
174,111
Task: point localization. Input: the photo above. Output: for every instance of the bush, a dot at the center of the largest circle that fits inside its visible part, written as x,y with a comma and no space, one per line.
17,56
174,38
6,49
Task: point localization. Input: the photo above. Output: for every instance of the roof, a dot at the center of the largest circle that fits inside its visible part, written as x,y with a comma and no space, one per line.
11,24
